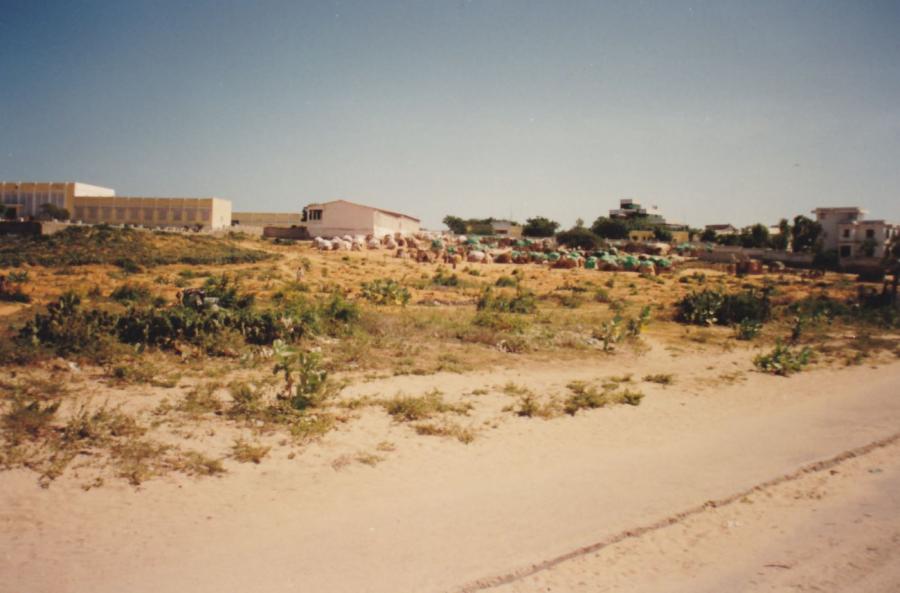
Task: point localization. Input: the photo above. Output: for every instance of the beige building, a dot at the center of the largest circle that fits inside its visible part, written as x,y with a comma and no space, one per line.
93,204
507,228
210,213
27,197
282,219
340,217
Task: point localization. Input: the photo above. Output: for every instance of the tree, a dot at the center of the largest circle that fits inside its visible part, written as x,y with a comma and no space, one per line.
755,236
456,224
662,234
608,228
53,212
805,235
708,236
577,237
891,263
730,239
782,239
539,227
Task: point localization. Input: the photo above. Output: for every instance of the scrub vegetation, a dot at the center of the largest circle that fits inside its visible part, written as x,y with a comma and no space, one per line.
206,355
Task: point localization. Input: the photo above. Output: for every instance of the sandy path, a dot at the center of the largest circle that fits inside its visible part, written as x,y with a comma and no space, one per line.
438,515
837,529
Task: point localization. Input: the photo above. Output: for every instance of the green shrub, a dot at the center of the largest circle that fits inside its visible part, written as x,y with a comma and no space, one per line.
441,278
747,329
710,306
11,287
131,293
783,360
506,281
306,382
129,266
522,302
385,291
66,328
226,289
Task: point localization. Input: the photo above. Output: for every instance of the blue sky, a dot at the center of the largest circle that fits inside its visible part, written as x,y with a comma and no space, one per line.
714,111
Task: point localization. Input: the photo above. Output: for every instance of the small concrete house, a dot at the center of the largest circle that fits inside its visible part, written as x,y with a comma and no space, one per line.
340,217
507,228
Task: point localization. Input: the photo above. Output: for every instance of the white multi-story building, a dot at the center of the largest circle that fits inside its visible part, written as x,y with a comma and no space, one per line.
846,231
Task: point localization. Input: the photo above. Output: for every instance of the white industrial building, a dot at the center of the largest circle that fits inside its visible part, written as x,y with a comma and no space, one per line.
340,217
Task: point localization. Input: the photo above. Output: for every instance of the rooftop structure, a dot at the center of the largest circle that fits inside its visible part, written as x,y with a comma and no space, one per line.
629,208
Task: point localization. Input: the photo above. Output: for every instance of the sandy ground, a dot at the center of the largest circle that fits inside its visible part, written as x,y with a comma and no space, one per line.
437,515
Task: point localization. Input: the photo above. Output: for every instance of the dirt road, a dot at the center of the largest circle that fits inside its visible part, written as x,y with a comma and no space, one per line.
439,516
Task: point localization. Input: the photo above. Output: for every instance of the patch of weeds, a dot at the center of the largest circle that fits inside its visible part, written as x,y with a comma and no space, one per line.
530,406
370,459
659,378
447,429
28,420
411,408
783,360
584,396
514,389
570,301
630,398
201,400
135,372
244,452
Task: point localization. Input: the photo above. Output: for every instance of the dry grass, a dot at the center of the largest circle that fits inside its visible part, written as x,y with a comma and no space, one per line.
438,331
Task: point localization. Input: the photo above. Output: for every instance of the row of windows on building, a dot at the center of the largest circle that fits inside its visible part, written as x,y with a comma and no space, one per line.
122,214
13,198
870,233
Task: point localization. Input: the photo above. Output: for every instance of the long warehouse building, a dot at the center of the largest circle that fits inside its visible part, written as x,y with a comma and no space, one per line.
94,204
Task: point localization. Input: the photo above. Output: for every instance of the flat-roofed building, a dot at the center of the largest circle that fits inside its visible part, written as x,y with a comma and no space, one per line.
506,228
340,217
94,204
846,231
209,213
25,198
278,219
